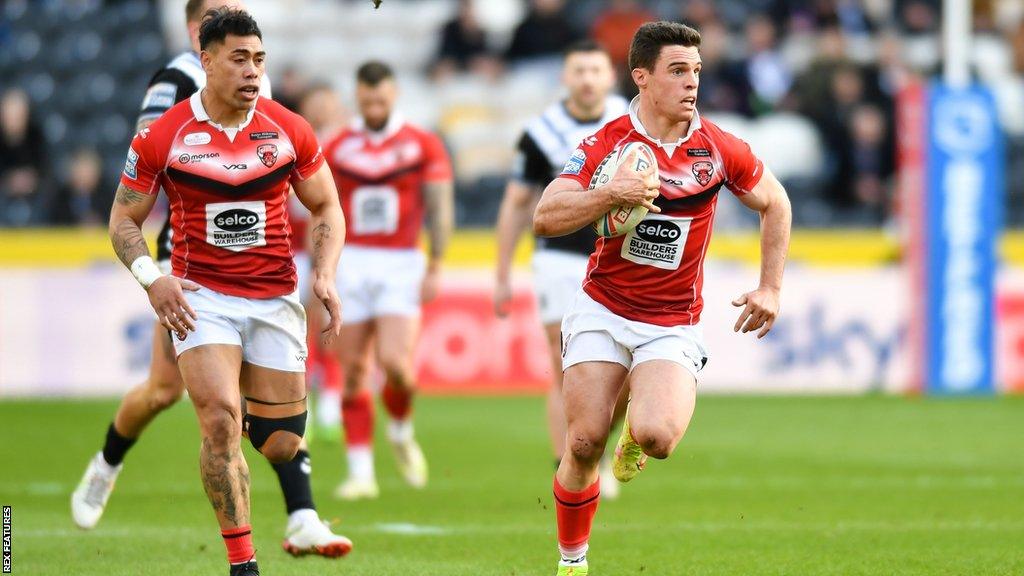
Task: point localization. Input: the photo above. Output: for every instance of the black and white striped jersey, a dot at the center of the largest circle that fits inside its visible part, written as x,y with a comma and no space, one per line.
545,146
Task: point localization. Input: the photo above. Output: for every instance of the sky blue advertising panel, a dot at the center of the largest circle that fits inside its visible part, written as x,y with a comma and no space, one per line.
963,202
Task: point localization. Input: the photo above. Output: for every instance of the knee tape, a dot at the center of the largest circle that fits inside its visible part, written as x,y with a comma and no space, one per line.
259,428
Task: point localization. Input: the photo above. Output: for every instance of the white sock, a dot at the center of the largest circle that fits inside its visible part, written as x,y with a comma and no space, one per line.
573,555
360,462
303,515
328,408
400,431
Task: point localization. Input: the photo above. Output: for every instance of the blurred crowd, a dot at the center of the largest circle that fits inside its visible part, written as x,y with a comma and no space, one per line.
837,63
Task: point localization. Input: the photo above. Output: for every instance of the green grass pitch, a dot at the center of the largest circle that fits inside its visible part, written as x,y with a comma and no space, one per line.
759,486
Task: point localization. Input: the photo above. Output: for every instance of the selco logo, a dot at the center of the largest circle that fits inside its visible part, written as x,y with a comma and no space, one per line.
659,232
236,220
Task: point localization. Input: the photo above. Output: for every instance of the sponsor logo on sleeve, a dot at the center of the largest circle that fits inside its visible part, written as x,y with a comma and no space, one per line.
197,138
160,96
702,171
236,226
131,164
575,163
263,136
267,154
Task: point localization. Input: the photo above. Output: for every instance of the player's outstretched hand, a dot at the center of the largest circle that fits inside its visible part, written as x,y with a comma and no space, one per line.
631,188
502,298
760,308
167,296
326,291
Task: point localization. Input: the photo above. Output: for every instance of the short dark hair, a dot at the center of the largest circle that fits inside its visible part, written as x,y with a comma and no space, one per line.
583,46
218,23
193,10
373,73
652,36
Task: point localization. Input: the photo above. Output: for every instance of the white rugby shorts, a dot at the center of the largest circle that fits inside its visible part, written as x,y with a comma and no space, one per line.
557,276
591,332
374,282
271,332
304,273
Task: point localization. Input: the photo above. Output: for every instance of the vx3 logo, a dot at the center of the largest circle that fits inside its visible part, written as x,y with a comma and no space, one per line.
235,166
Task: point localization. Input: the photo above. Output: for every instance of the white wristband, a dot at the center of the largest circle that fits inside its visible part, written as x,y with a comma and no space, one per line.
145,271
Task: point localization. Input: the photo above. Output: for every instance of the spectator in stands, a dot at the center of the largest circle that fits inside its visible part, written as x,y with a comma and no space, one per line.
321,107
82,199
723,83
290,87
1016,40
544,33
699,13
768,73
463,47
918,16
613,28
22,161
811,93
871,160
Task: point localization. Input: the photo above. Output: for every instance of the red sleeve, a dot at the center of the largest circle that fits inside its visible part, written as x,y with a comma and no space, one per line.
743,170
308,155
584,161
143,166
436,165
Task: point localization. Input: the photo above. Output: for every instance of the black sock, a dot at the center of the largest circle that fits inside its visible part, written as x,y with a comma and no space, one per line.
116,446
294,479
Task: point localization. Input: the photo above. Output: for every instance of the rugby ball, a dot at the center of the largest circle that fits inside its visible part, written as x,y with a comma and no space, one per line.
622,219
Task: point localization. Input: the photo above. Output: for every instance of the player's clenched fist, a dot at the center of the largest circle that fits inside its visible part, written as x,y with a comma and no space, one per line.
760,308
631,187
167,296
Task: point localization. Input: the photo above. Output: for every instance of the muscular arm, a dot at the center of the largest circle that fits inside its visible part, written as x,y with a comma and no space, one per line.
565,207
761,306
518,204
126,217
318,194
770,200
440,203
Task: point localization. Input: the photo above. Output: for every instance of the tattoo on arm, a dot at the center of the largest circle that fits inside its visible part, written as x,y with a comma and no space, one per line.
129,243
127,197
321,234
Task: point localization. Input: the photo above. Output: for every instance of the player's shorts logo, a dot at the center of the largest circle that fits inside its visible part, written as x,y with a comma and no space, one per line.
702,171
267,154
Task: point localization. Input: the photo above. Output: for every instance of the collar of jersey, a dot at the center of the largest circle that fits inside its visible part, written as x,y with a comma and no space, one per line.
634,117
196,101
394,124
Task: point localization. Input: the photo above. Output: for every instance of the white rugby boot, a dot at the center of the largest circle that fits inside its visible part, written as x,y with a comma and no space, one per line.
408,455
308,534
90,497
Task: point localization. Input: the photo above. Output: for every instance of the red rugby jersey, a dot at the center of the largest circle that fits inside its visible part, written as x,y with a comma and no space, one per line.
227,195
380,178
655,272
